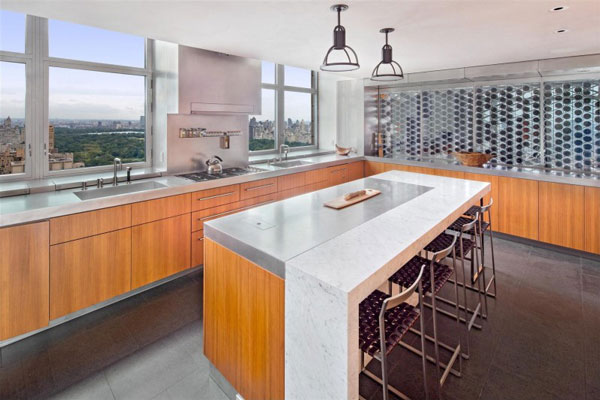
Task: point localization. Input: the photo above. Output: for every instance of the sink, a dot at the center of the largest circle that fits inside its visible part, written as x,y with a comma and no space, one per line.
289,164
116,190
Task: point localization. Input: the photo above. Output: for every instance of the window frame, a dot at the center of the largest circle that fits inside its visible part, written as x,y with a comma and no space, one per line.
279,89
37,65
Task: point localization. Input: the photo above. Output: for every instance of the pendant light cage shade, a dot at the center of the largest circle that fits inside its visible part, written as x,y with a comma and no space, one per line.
387,69
340,57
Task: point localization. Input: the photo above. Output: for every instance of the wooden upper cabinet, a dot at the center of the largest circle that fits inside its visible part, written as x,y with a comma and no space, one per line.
258,188
292,181
518,207
356,170
493,194
76,226
24,275
337,175
215,197
561,211
153,210
159,249
592,220
88,271
373,168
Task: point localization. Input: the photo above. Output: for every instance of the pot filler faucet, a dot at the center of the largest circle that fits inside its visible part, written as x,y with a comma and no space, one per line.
116,161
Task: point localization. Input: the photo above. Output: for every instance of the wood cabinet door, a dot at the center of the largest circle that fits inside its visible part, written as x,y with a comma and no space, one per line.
356,170
88,271
492,195
159,249
561,213
292,181
592,220
77,226
337,175
373,168
215,197
449,174
396,167
258,188
197,248
316,176
153,210
518,207
24,275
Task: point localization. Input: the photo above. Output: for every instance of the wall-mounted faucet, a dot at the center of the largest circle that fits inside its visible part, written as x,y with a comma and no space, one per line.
116,161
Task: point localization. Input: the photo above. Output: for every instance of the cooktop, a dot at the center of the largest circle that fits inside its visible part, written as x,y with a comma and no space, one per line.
227,173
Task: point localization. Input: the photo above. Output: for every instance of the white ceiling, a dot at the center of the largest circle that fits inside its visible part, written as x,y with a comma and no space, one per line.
430,35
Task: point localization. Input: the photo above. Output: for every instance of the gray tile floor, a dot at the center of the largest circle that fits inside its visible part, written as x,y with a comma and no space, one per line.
541,341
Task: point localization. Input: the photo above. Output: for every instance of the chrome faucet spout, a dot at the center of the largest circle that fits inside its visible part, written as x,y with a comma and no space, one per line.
116,161
284,148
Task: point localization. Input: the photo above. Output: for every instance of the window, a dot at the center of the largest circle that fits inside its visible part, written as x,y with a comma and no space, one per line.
12,118
12,31
80,42
95,117
289,99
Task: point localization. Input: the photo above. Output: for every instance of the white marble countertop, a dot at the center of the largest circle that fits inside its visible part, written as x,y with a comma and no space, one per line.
39,206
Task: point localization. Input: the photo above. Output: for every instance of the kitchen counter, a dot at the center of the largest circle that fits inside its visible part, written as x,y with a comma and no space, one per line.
535,174
39,206
332,259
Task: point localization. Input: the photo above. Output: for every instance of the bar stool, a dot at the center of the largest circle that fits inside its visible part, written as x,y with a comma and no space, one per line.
434,278
383,322
463,247
484,226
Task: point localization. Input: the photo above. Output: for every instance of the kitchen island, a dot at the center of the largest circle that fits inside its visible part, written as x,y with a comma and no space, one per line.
282,282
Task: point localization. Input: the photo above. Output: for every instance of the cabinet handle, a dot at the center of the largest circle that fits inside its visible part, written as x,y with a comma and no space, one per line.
215,196
259,187
336,171
200,238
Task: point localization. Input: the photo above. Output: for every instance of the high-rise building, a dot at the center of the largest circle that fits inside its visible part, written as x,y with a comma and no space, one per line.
51,138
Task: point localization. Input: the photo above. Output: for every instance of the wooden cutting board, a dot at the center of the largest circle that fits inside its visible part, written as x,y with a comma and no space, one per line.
341,202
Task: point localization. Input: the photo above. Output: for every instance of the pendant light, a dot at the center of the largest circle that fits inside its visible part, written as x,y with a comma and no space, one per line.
387,69
349,59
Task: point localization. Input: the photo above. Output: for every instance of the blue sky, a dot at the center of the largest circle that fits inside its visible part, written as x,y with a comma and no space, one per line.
78,94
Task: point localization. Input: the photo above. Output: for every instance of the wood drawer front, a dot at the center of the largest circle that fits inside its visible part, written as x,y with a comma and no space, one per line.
518,207
77,226
153,210
87,271
24,288
159,249
374,168
286,194
561,211
592,220
291,181
449,174
215,197
258,188
200,217
356,170
337,175
316,176
197,248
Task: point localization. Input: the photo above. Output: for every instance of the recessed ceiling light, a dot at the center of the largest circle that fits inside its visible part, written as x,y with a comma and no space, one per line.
558,8
561,30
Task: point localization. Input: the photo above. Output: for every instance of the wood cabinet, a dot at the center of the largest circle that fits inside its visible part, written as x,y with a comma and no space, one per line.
215,197
449,174
561,215
374,168
292,181
24,275
337,175
493,194
592,220
258,188
518,207
153,210
316,176
76,226
197,246
356,170
88,271
159,249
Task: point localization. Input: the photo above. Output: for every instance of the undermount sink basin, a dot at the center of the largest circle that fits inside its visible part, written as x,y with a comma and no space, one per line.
116,190
289,164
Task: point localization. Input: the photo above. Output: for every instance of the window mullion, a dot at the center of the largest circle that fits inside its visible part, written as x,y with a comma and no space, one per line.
280,100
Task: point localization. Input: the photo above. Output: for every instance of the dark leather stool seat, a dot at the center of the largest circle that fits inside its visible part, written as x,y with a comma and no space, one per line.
406,275
398,321
444,240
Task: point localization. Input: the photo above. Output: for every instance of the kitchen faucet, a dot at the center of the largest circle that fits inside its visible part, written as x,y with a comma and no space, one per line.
285,149
116,161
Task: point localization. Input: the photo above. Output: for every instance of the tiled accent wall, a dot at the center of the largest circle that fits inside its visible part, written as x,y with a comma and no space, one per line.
547,124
